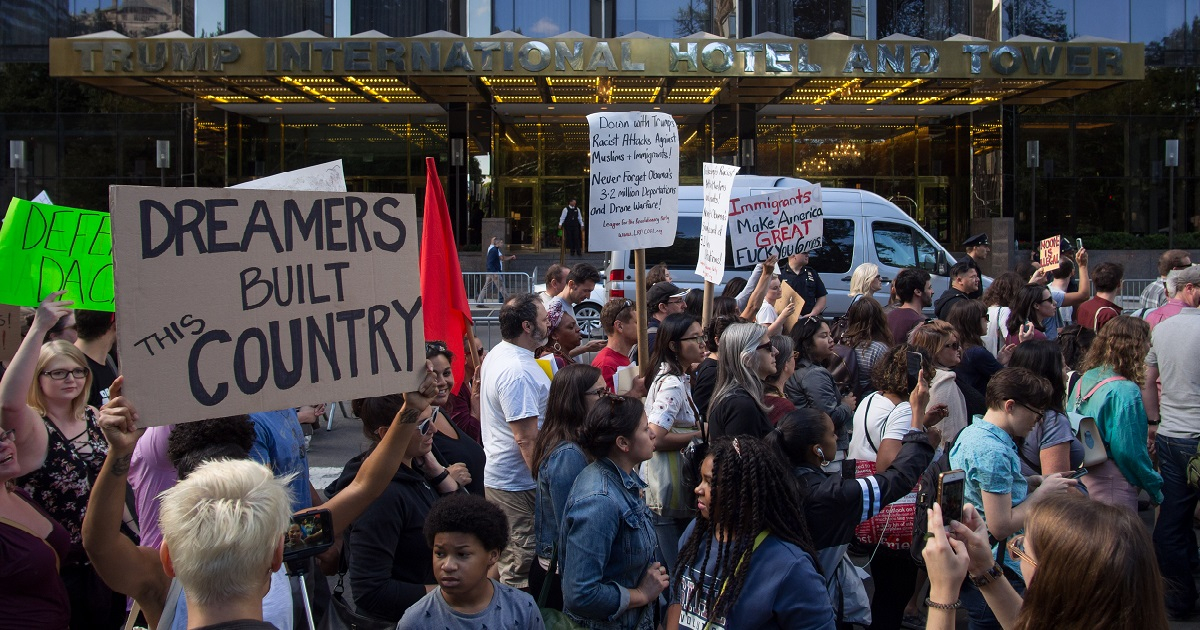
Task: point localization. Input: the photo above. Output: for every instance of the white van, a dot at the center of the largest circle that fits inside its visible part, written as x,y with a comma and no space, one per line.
860,227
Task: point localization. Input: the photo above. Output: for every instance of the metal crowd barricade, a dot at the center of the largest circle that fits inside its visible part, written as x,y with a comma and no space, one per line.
486,287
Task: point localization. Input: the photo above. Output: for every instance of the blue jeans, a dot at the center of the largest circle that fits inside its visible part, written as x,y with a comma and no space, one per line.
978,611
1174,538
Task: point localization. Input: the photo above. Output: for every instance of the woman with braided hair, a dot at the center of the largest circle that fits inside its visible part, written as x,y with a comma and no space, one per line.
747,561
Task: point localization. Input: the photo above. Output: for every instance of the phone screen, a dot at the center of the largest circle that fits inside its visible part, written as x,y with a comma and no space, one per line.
914,369
308,535
1081,471
1078,243
950,494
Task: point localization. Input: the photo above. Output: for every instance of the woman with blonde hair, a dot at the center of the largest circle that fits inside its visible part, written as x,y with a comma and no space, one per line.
865,280
1088,565
940,340
1110,392
59,451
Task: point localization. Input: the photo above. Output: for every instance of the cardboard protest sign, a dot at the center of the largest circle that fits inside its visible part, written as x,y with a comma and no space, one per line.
236,301
1050,252
787,296
45,248
780,224
718,185
10,331
328,177
634,200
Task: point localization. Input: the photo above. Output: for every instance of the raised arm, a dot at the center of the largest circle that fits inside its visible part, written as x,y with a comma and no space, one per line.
15,413
760,290
381,465
125,567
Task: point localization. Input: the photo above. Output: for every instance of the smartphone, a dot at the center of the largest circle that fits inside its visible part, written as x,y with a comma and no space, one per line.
950,494
308,535
1078,244
1081,471
915,364
849,468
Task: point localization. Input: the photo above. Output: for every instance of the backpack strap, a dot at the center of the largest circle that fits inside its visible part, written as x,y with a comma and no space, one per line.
867,429
1096,317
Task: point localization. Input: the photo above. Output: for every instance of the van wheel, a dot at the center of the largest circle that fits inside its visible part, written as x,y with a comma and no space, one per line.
587,314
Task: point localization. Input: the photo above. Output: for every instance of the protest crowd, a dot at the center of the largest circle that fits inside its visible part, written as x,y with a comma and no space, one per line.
769,468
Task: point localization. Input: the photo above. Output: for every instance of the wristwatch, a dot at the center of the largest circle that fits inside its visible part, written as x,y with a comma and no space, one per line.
989,576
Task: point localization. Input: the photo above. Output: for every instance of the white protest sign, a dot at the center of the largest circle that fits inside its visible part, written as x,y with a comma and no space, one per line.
328,177
634,200
42,197
718,184
236,301
780,223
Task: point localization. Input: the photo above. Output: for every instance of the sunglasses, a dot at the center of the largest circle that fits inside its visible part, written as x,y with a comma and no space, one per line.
1016,546
954,345
425,426
764,346
599,391
627,305
61,375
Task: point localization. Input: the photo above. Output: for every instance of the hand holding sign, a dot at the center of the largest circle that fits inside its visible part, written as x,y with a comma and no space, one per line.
49,312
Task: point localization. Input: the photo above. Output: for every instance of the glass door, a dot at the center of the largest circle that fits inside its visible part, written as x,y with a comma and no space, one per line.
519,202
933,203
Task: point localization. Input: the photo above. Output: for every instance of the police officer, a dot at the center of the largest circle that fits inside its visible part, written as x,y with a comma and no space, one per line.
978,249
805,281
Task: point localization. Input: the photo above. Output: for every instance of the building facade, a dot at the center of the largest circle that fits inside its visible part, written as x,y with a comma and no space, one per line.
948,145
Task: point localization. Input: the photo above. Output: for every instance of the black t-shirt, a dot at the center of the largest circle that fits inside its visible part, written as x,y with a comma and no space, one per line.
102,378
464,450
737,414
807,282
704,381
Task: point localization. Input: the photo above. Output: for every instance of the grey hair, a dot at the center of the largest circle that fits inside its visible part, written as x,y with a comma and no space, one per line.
222,526
737,345
1179,278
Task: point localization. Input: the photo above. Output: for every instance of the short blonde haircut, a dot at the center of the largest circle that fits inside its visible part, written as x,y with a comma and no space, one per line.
860,282
222,525
51,351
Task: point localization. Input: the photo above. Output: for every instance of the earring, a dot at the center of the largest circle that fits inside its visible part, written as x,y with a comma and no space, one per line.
821,454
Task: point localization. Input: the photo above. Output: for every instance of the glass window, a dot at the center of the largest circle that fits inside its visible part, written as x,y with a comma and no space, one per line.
663,18
398,18
539,18
806,18
1050,19
894,244
1162,26
926,252
931,20
836,254
276,18
1104,19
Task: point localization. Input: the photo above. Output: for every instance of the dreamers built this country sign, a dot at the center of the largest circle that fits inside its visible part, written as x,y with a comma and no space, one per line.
235,301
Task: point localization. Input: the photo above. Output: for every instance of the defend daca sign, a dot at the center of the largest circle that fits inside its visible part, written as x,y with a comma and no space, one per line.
235,301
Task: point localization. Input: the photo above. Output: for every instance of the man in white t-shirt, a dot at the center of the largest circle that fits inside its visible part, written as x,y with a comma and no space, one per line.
512,404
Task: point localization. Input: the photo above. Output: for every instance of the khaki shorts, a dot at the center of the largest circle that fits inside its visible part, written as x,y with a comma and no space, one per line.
518,555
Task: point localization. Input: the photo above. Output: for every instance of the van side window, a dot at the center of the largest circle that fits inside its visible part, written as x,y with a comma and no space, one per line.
682,254
836,254
898,245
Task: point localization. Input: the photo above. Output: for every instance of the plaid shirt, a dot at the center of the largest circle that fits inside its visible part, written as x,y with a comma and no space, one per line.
1154,295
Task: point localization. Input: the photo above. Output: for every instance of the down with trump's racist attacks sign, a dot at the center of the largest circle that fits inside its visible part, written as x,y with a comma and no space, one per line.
236,301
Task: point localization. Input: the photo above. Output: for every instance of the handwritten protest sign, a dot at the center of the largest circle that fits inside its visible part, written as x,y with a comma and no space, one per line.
10,331
328,177
235,301
1050,252
634,200
780,224
718,184
45,248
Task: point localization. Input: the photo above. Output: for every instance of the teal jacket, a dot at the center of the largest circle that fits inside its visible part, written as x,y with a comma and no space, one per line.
1121,418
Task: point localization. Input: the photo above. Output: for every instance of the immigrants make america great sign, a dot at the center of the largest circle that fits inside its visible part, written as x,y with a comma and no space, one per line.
780,223
634,200
236,301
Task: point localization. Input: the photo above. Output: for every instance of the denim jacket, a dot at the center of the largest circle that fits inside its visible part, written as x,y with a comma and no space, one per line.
556,475
607,543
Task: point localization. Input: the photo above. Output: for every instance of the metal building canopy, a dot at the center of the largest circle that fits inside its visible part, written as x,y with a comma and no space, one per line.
896,73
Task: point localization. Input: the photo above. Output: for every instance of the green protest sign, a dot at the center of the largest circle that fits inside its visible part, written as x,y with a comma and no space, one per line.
45,248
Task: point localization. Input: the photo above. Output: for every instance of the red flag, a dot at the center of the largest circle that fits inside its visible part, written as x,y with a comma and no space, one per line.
443,296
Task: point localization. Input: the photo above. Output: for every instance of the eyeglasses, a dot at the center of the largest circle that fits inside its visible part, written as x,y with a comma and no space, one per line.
425,426
61,375
1016,546
611,397
8,436
1037,412
697,338
599,391
954,345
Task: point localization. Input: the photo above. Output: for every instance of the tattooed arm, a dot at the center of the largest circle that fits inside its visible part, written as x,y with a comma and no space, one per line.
125,567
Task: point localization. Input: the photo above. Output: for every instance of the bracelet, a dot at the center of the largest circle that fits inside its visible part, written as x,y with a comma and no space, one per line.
437,481
932,604
989,576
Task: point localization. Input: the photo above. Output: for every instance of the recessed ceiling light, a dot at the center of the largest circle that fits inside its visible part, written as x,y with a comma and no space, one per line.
816,109
551,107
870,109
657,107
331,107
